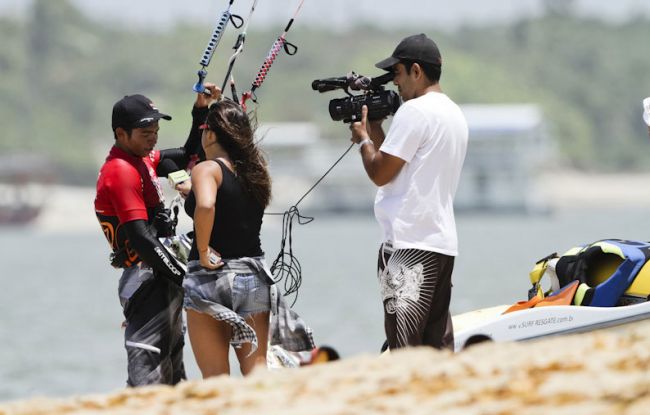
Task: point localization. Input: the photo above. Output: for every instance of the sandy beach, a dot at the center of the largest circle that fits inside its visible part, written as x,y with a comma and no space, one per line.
596,373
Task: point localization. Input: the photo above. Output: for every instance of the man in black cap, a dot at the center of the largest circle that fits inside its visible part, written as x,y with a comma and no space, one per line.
417,167
131,211
646,113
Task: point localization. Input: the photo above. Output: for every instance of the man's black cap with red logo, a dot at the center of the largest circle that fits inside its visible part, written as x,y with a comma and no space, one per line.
135,111
418,48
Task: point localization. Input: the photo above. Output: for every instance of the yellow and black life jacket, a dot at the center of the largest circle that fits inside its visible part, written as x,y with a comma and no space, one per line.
609,272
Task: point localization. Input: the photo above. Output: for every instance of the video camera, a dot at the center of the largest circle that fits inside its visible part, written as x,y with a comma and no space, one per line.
380,103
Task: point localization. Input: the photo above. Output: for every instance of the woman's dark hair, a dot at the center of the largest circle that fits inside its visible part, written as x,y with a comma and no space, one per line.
236,136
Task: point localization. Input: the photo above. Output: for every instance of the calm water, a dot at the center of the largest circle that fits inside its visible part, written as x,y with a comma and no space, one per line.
60,319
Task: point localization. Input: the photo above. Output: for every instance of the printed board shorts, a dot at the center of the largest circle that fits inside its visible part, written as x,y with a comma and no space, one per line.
416,293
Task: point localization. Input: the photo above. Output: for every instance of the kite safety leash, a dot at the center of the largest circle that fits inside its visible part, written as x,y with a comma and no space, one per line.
281,42
286,266
239,47
217,33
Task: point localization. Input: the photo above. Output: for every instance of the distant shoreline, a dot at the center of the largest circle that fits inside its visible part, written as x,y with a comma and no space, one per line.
571,189
70,208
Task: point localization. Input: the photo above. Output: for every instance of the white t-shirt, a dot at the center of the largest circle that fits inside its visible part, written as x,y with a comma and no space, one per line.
415,209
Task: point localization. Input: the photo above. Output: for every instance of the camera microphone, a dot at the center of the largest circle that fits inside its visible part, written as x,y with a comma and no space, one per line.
329,84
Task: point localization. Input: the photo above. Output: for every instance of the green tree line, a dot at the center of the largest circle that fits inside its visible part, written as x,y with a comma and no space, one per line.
62,72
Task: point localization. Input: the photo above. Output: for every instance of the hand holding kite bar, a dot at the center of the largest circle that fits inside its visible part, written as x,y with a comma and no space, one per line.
226,16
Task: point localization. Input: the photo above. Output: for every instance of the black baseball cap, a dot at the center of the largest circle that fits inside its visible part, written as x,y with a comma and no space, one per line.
135,111
417,48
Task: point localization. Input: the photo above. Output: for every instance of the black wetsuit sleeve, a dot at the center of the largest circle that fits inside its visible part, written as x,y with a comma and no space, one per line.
174,159
151,251
193,144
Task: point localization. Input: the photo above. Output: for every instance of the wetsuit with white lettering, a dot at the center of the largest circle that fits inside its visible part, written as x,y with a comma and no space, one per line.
128,199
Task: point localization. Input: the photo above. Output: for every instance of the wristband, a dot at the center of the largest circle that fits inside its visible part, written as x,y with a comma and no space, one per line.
363,142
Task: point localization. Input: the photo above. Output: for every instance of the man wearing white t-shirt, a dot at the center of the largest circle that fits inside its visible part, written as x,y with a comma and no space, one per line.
417,167
646,113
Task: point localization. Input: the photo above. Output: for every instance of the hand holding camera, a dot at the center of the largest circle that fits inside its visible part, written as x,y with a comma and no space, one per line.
359,128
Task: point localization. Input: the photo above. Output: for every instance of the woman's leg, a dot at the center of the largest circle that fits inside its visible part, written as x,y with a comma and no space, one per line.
260,323
210,340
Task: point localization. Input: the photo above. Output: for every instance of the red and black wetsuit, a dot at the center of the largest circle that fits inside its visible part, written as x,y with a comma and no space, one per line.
129,196
127,190
150,289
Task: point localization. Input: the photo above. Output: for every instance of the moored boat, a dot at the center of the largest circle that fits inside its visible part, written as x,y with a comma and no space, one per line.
23,187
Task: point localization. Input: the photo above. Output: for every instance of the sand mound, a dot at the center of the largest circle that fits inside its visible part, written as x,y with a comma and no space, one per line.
596,373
